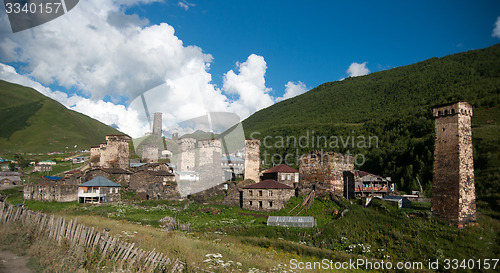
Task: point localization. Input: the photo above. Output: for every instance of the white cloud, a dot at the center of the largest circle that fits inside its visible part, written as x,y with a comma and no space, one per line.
293,89
99,50
185,4
127,120
496,30
249,85
357,69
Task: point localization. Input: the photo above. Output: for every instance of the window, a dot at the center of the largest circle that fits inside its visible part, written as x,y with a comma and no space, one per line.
250,193
270,204
250,203
260,193
110,190
116,190
270,193
288,177
282,176
296,178
260,204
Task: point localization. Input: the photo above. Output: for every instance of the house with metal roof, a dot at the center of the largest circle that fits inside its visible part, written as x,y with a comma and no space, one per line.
99,190
233,167
282,174
267,195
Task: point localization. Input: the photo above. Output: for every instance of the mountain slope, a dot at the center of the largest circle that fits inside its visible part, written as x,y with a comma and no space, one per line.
396,107
32,122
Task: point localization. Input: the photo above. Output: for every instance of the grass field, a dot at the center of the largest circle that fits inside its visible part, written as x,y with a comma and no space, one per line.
380,232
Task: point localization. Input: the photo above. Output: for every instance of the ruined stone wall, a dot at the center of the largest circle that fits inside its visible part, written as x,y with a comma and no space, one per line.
252,159
266,199
453,192
326,169
115,154
156,185
58,193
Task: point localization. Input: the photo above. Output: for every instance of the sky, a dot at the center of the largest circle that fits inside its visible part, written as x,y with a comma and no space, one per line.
190,57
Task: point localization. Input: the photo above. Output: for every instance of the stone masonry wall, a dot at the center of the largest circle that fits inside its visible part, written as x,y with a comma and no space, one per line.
58,193
252,159
453,192
266,199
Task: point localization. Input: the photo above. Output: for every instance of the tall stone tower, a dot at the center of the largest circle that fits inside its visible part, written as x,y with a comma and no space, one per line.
115,153
186,156
252,159
157,125
453,190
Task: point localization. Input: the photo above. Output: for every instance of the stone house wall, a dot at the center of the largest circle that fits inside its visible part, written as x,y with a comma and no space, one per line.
266,199
56,192
326,169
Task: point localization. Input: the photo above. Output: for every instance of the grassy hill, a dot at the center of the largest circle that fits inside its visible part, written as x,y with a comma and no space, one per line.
32,122
396,107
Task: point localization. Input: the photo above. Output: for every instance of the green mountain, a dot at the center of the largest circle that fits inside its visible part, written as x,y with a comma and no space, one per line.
32,122
395,107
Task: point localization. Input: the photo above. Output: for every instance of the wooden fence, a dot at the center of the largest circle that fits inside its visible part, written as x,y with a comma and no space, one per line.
127,255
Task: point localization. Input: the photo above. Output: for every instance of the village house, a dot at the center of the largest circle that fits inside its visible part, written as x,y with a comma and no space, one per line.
10,178
51,188
283,174
267,195
99,190
42,168
367,184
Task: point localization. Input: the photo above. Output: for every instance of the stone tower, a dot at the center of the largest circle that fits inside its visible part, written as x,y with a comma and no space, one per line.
186,156
157,125
115,153
252,159
453,190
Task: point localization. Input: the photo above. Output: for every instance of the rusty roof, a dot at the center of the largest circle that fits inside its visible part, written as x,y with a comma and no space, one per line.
281,168
268,184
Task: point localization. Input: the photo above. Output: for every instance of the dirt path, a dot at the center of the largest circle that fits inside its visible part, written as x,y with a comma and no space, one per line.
11,263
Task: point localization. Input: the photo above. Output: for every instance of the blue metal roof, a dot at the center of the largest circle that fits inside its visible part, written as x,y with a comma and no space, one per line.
53,177
99,181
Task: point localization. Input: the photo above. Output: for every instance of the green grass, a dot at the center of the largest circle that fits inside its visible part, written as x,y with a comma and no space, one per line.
14,195
380,231
31,122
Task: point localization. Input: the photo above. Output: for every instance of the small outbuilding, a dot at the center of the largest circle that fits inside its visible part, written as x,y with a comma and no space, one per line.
399,201
291,221
99,190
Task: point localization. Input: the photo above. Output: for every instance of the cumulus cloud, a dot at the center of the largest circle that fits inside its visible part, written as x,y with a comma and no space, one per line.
249,85
126,120
293,89
185,4
357,69
496,30
100,51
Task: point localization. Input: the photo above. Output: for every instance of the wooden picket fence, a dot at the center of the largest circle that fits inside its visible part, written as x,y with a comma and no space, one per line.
127,255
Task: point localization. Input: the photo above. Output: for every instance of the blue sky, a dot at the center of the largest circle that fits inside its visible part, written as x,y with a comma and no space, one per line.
235,56
316,41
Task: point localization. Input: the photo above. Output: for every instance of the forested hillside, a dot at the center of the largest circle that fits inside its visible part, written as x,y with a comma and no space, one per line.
396,107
